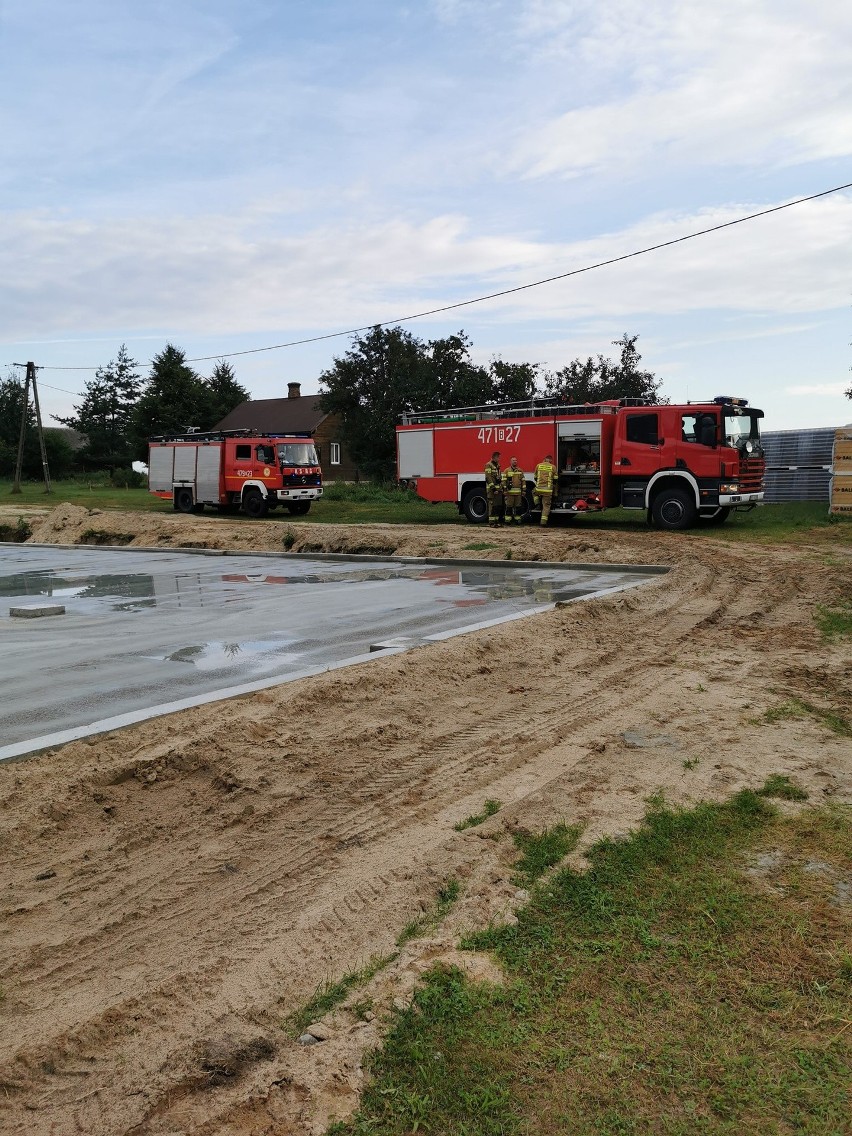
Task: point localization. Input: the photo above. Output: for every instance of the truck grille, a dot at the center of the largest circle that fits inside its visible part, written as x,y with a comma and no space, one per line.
752,471
302,479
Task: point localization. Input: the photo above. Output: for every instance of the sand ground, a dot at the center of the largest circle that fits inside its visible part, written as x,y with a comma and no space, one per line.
173,891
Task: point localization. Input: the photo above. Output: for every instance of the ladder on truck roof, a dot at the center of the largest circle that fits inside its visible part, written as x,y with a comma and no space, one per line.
222,435
529,408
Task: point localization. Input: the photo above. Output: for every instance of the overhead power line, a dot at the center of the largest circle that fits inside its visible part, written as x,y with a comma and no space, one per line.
503,292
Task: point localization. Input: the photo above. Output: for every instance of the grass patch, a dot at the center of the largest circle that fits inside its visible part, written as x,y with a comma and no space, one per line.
447,896
489,809
541,850
834,622
479,546
330,994
662,991
800,708
779,785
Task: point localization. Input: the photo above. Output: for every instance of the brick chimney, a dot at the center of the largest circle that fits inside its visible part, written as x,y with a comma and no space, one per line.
294,390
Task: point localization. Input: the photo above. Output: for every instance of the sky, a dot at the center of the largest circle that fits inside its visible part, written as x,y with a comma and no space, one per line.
231,175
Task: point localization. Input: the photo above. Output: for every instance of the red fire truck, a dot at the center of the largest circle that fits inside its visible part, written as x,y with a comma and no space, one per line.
233,469
678,463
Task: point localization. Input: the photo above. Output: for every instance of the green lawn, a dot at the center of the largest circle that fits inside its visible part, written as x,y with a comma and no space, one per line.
663,991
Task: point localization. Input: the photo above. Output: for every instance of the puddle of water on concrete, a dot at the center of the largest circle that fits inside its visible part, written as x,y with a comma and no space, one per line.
250,655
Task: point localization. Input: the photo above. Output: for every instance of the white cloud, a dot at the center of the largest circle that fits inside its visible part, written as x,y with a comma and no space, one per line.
217,274
738,81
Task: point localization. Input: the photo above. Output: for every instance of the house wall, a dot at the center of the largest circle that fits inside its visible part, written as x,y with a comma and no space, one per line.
327,432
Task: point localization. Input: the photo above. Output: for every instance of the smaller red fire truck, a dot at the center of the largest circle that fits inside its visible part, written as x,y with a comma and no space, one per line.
677,463
235,469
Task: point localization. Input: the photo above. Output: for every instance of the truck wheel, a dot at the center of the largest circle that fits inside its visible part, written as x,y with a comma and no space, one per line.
183,500
299,508
475,506
673,509
254,503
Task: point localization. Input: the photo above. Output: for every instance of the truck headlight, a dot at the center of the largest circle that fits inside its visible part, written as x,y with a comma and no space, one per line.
732,487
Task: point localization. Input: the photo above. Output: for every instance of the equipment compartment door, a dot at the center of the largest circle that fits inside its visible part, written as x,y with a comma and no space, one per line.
185,465
209,460
161,462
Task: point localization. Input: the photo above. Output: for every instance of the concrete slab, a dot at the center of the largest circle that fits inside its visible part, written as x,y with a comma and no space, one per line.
36,611
147,632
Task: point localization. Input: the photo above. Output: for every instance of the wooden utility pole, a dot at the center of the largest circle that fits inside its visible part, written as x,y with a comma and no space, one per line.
31,378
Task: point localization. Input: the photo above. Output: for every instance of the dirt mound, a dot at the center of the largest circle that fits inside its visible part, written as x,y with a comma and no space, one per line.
176,892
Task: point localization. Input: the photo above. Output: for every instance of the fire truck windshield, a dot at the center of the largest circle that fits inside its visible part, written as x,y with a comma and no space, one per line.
297,453
740,427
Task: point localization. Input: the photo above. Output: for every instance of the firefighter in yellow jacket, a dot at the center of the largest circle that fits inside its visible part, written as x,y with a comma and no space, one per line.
514,483
494,490
545,473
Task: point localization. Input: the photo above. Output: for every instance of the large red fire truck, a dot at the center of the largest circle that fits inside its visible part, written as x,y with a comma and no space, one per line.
234,469
678,463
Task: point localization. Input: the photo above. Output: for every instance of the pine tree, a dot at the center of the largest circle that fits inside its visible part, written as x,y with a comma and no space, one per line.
174,400
105,415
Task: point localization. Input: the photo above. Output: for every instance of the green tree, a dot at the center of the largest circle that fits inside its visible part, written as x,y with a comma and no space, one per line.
513,382
596,380
223,393
389,372
60,457
175,399
105,416
381,376
11,403
450,378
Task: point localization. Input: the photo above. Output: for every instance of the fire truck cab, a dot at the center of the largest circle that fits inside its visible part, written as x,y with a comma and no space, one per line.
233,469
678,463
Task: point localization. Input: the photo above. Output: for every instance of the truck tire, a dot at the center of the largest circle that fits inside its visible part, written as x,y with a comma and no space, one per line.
254,503
299,508
673,509
183,501
475,505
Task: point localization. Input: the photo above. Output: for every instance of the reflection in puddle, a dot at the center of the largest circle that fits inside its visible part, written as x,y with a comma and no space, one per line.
127,592
257,654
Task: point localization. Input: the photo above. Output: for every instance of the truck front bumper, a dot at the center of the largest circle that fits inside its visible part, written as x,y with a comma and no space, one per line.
301,493
733,499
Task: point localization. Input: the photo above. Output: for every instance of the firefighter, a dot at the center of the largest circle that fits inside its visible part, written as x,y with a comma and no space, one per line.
514,483
544,474
494,490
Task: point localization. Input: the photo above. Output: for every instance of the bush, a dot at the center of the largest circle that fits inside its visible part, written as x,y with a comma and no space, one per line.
128,479
384,492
